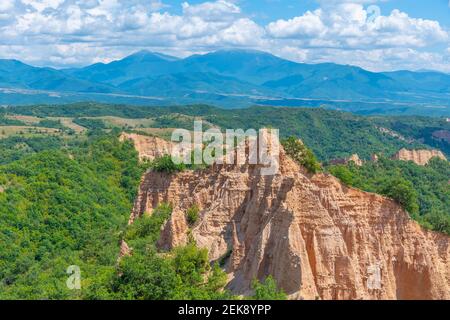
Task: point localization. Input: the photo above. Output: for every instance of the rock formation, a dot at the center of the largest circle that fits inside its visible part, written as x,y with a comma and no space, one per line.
394,134
125,250
420,157
148,147
317,237
353,158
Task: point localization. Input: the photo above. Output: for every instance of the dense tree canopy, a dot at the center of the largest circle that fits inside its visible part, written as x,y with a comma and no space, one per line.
62,207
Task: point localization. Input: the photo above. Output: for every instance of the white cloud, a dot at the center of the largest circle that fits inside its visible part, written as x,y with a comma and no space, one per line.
309,25
6,5
41,5
346,25
77,32
211,11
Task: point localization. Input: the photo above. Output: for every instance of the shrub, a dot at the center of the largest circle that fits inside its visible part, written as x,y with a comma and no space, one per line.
402,191
438,221
267,290
342,173
166,164
223,260
301,154
183,273
149,227
192,215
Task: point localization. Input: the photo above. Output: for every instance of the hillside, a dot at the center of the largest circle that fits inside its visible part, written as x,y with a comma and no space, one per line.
330,134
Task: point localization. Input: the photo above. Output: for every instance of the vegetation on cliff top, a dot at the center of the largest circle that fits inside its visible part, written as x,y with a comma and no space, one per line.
301,154
422,190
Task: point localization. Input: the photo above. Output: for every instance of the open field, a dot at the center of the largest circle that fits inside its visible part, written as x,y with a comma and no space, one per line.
6,131
124,122
32,121
29,120
68,122
164,133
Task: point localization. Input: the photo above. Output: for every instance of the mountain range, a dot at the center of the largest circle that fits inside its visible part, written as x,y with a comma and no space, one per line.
228,78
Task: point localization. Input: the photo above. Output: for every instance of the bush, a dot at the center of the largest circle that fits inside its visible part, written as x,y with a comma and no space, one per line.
145,277
191,263
267,290
182,273
192,215
301,154
402,191
439,221
166,164
422,190
146,230
223,260
342,173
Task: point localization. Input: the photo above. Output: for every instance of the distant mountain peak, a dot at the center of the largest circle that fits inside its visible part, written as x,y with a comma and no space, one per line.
146,54
242,52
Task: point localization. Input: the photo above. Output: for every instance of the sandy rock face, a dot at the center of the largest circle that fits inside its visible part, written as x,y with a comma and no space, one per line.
317,237
148,147
420,157
355,158
125,250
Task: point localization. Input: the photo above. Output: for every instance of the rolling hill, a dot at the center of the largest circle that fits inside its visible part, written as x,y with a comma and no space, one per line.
17,75
230,78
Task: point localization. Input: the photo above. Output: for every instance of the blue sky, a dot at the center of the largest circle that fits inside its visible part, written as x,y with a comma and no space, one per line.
376,35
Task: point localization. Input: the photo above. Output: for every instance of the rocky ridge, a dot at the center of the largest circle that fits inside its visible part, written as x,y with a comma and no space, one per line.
319,238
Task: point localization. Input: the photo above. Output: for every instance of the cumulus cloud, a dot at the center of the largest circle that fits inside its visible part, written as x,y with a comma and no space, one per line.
349,25
62,32
308,25
41,5
6,5
212,11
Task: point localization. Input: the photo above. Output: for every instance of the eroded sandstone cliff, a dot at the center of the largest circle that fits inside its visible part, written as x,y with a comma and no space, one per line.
317,237
420,157
148,147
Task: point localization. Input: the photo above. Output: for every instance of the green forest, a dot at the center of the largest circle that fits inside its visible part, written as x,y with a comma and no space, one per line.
60,208
66,205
